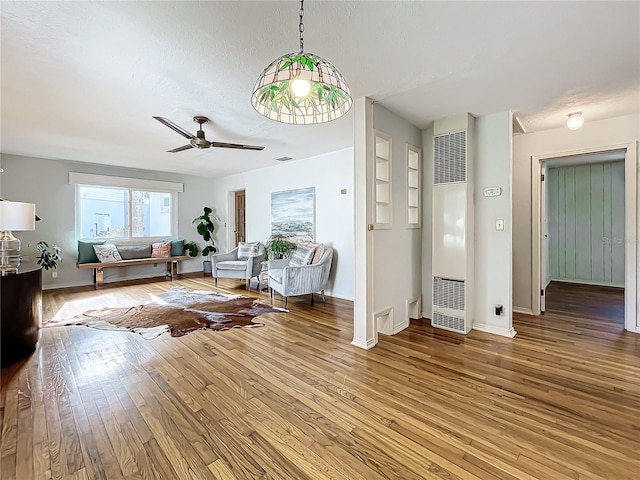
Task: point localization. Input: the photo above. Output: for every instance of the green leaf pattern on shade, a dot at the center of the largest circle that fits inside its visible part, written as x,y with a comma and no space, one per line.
304,60
328,97
282,95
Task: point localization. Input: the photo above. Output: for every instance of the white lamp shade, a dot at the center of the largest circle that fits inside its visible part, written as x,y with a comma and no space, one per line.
17,216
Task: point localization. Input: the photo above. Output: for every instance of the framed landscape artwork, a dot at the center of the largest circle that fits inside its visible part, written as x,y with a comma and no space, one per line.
293,214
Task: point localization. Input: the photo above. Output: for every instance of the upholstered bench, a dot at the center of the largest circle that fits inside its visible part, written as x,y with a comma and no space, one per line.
112,256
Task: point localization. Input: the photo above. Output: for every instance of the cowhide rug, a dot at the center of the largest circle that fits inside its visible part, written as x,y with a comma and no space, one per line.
179,311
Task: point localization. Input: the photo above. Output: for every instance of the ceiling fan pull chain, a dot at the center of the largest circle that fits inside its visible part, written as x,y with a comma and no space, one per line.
301,26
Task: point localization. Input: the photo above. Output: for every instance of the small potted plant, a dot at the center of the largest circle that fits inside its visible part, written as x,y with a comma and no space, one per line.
205,226
49,256
192,248
277,248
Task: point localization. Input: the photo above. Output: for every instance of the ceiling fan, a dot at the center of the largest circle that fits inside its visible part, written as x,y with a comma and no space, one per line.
198,140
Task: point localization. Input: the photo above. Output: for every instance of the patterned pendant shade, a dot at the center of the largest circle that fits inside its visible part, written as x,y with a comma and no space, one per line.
329,97
301,88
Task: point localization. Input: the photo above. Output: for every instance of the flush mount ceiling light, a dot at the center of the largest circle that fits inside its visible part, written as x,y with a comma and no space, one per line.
575,121
301,88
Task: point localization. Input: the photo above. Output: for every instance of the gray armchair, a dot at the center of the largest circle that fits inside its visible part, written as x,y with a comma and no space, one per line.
228,265
289,280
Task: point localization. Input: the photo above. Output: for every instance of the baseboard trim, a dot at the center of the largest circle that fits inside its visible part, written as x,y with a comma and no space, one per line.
57,286
503,332
341,297
588,282
526,311
364,344
399,328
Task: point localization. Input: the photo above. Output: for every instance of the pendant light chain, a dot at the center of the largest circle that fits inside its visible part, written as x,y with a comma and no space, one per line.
301,88
301,26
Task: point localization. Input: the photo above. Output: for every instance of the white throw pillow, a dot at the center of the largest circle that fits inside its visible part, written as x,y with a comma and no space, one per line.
107,253
246,250
302,255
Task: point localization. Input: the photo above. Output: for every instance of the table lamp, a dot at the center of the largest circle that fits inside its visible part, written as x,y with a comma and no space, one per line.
14,216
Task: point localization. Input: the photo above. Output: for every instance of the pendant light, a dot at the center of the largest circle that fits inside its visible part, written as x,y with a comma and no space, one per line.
301,88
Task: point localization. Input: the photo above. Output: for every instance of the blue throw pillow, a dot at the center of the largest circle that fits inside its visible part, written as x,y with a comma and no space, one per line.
86,254
177,248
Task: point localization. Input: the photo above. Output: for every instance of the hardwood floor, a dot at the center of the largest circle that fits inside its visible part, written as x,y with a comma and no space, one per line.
294,400
603,305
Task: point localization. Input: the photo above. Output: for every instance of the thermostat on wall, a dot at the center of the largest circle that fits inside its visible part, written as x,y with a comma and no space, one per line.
492,192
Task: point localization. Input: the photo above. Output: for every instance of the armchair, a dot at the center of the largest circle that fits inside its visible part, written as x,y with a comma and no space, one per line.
242,262
289,280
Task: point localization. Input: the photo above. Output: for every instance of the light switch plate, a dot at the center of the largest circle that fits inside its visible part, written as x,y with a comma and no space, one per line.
500,225
492,192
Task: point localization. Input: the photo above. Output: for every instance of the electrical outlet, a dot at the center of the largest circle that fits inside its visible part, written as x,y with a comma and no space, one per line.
500,225
54,274
499,309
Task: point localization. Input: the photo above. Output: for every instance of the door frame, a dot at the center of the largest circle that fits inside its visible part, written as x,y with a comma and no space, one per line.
631,243
230,224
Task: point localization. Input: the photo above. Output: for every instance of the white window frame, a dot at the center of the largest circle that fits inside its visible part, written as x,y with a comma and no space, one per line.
131,184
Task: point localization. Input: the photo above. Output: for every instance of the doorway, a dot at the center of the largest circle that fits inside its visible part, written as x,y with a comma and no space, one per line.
239,217
587,243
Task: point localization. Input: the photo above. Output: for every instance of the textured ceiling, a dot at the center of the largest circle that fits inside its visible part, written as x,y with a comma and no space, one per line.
81,81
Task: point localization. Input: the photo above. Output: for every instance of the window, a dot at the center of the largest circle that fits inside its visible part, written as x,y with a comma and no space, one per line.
130,210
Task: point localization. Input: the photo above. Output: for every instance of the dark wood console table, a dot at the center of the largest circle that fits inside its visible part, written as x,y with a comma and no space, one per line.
20,312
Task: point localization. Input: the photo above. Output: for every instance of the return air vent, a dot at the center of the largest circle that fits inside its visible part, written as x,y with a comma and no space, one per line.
450,158
448,293
450,323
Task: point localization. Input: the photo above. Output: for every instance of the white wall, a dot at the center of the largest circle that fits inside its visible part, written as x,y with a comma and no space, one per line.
365,333
593,135
329,174
427,191
46,183
397,252
585,217
493,249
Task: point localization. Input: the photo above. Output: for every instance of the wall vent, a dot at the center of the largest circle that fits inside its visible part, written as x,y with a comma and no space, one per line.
450,323
284,159
448,293
450,158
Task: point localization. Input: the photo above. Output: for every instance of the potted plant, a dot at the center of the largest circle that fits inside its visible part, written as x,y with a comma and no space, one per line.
277,248
192,248
49,256
205,226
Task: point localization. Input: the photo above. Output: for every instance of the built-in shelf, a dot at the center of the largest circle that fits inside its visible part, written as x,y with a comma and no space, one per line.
382,200
413,187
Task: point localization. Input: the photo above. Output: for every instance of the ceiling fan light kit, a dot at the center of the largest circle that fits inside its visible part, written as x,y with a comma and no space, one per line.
301,88
198,140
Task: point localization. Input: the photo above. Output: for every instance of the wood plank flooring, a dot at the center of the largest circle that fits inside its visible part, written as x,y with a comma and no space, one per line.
603,306
294,400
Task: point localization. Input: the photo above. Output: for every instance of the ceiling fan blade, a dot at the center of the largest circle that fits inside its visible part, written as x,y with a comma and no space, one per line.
236,145
179,149
175,127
